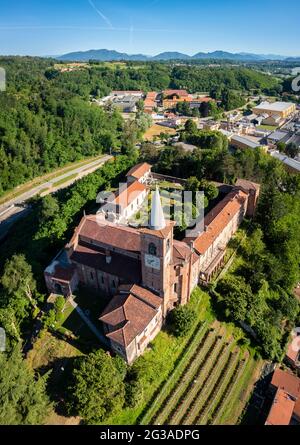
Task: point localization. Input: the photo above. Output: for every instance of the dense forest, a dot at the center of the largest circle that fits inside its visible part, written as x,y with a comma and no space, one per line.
43,126
46,120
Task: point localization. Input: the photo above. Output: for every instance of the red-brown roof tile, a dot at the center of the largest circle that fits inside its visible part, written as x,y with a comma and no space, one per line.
139,170
143,294
282,409
128,315
218,219
122,237
181,252
162,233
126,268
129,194
62,274
247,185
286,381
180,93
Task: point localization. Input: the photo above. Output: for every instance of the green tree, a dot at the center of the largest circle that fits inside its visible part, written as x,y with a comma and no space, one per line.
235,295
190,126
292,150
129,138
19,285
134,393
192,184
98,389
49,207
140,105
210,190
281,146
181,320
23,399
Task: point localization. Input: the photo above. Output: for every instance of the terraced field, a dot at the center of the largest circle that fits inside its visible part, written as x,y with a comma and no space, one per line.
205,384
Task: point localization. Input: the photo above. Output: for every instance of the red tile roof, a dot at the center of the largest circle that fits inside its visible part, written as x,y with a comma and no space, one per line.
122,237
139,170
62,274
181,252
247,185
202,99
129,194
126,268
162,233
180,93
143,294
286,381
149,101
218,219
129,313
282,409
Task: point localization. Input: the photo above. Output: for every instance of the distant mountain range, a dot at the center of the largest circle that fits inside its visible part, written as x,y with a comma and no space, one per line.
105,55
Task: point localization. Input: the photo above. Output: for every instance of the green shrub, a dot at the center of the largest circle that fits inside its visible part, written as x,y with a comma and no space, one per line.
181,320
134,393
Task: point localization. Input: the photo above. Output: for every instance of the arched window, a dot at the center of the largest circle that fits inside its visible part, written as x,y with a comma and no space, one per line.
168,244
152,249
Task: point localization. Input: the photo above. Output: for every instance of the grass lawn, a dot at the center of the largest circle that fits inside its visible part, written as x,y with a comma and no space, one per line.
47,349
75,330
155,130
169,185
267,127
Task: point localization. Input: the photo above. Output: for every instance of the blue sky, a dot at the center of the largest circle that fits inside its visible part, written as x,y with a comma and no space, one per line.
55,27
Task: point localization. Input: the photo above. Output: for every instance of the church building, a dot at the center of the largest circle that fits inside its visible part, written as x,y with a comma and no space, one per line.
144,271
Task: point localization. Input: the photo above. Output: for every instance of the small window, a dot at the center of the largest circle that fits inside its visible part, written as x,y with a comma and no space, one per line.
168,244
102,279
152,249
92,275
113,284
175,287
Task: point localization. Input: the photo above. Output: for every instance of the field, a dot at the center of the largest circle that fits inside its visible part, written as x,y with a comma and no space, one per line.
48,349
155,130
202,379
210,384
267,127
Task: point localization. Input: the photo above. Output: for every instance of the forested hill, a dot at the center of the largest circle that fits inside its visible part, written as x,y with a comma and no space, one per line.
44,125
46,119
101,79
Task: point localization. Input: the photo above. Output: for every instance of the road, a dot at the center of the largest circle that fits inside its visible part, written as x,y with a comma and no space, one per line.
15,209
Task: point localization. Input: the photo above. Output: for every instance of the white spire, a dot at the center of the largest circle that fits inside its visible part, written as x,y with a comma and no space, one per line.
157,219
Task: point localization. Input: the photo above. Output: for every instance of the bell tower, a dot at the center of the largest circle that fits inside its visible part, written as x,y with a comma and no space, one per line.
156,251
